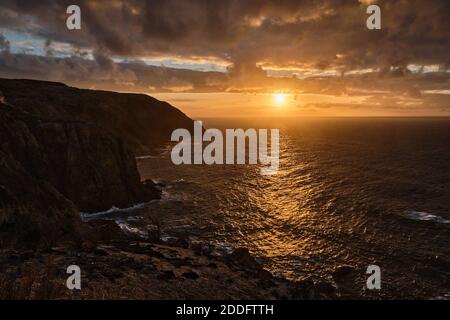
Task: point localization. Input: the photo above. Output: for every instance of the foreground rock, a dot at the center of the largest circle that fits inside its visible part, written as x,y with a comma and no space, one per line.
142,270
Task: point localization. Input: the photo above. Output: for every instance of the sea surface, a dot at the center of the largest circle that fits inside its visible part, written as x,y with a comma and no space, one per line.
350,191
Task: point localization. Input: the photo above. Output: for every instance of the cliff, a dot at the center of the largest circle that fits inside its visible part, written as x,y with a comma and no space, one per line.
65,150
142,122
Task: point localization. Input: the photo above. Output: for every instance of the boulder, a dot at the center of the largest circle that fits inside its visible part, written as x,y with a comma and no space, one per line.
243,258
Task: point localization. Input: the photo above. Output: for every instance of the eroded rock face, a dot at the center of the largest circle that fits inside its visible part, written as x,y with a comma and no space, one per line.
64,150
87,165
141,121
33,213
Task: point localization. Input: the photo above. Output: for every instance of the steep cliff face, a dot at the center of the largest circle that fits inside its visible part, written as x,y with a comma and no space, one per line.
141,121
64,150
32,211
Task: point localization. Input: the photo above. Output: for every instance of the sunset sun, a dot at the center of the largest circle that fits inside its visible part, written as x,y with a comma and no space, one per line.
279,99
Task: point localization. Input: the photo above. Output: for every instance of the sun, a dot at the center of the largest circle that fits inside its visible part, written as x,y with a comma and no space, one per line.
279,99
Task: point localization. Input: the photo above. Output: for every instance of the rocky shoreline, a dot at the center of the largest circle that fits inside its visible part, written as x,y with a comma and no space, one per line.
64,151
124,268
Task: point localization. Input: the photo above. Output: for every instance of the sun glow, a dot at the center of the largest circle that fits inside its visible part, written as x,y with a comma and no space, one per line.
279,99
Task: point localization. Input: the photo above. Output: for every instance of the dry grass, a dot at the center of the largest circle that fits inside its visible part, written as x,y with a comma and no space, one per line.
34,283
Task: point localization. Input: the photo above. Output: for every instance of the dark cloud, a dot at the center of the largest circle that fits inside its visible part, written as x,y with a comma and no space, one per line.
319,34
104,73
70,70
4,44
281,31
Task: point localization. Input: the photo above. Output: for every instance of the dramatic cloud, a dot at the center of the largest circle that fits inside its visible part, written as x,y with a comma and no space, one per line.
325,32
251,41
4,44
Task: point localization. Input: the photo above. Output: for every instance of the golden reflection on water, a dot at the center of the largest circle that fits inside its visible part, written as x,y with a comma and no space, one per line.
280,202
335,200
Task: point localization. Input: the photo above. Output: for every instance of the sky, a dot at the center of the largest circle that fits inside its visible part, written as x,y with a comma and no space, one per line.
241,58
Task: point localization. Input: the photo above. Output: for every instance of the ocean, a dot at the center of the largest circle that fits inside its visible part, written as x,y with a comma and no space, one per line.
349,191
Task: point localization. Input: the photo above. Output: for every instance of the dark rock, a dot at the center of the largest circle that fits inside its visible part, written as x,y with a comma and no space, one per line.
82,141
264,274
88,246
101,252
342,271
82,161
142,122
152,188
166,275
103,230
191,275
65,150
201,248
153,233
346,279
304,290
196,247
32,213
243,258
180,242
326,289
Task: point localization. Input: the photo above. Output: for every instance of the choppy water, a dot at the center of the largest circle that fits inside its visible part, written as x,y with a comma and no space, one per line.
349,191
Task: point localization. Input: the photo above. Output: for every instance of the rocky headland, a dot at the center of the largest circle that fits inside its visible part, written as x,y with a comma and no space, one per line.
64,151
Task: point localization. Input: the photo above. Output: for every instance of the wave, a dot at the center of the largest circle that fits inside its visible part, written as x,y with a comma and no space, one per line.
167,196
147,157
424,216
131,231
113,211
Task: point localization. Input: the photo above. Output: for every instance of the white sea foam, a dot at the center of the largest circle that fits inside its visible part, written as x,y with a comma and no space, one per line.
166,196
113,211
424,216
445,297
129,230
147,157
223,249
